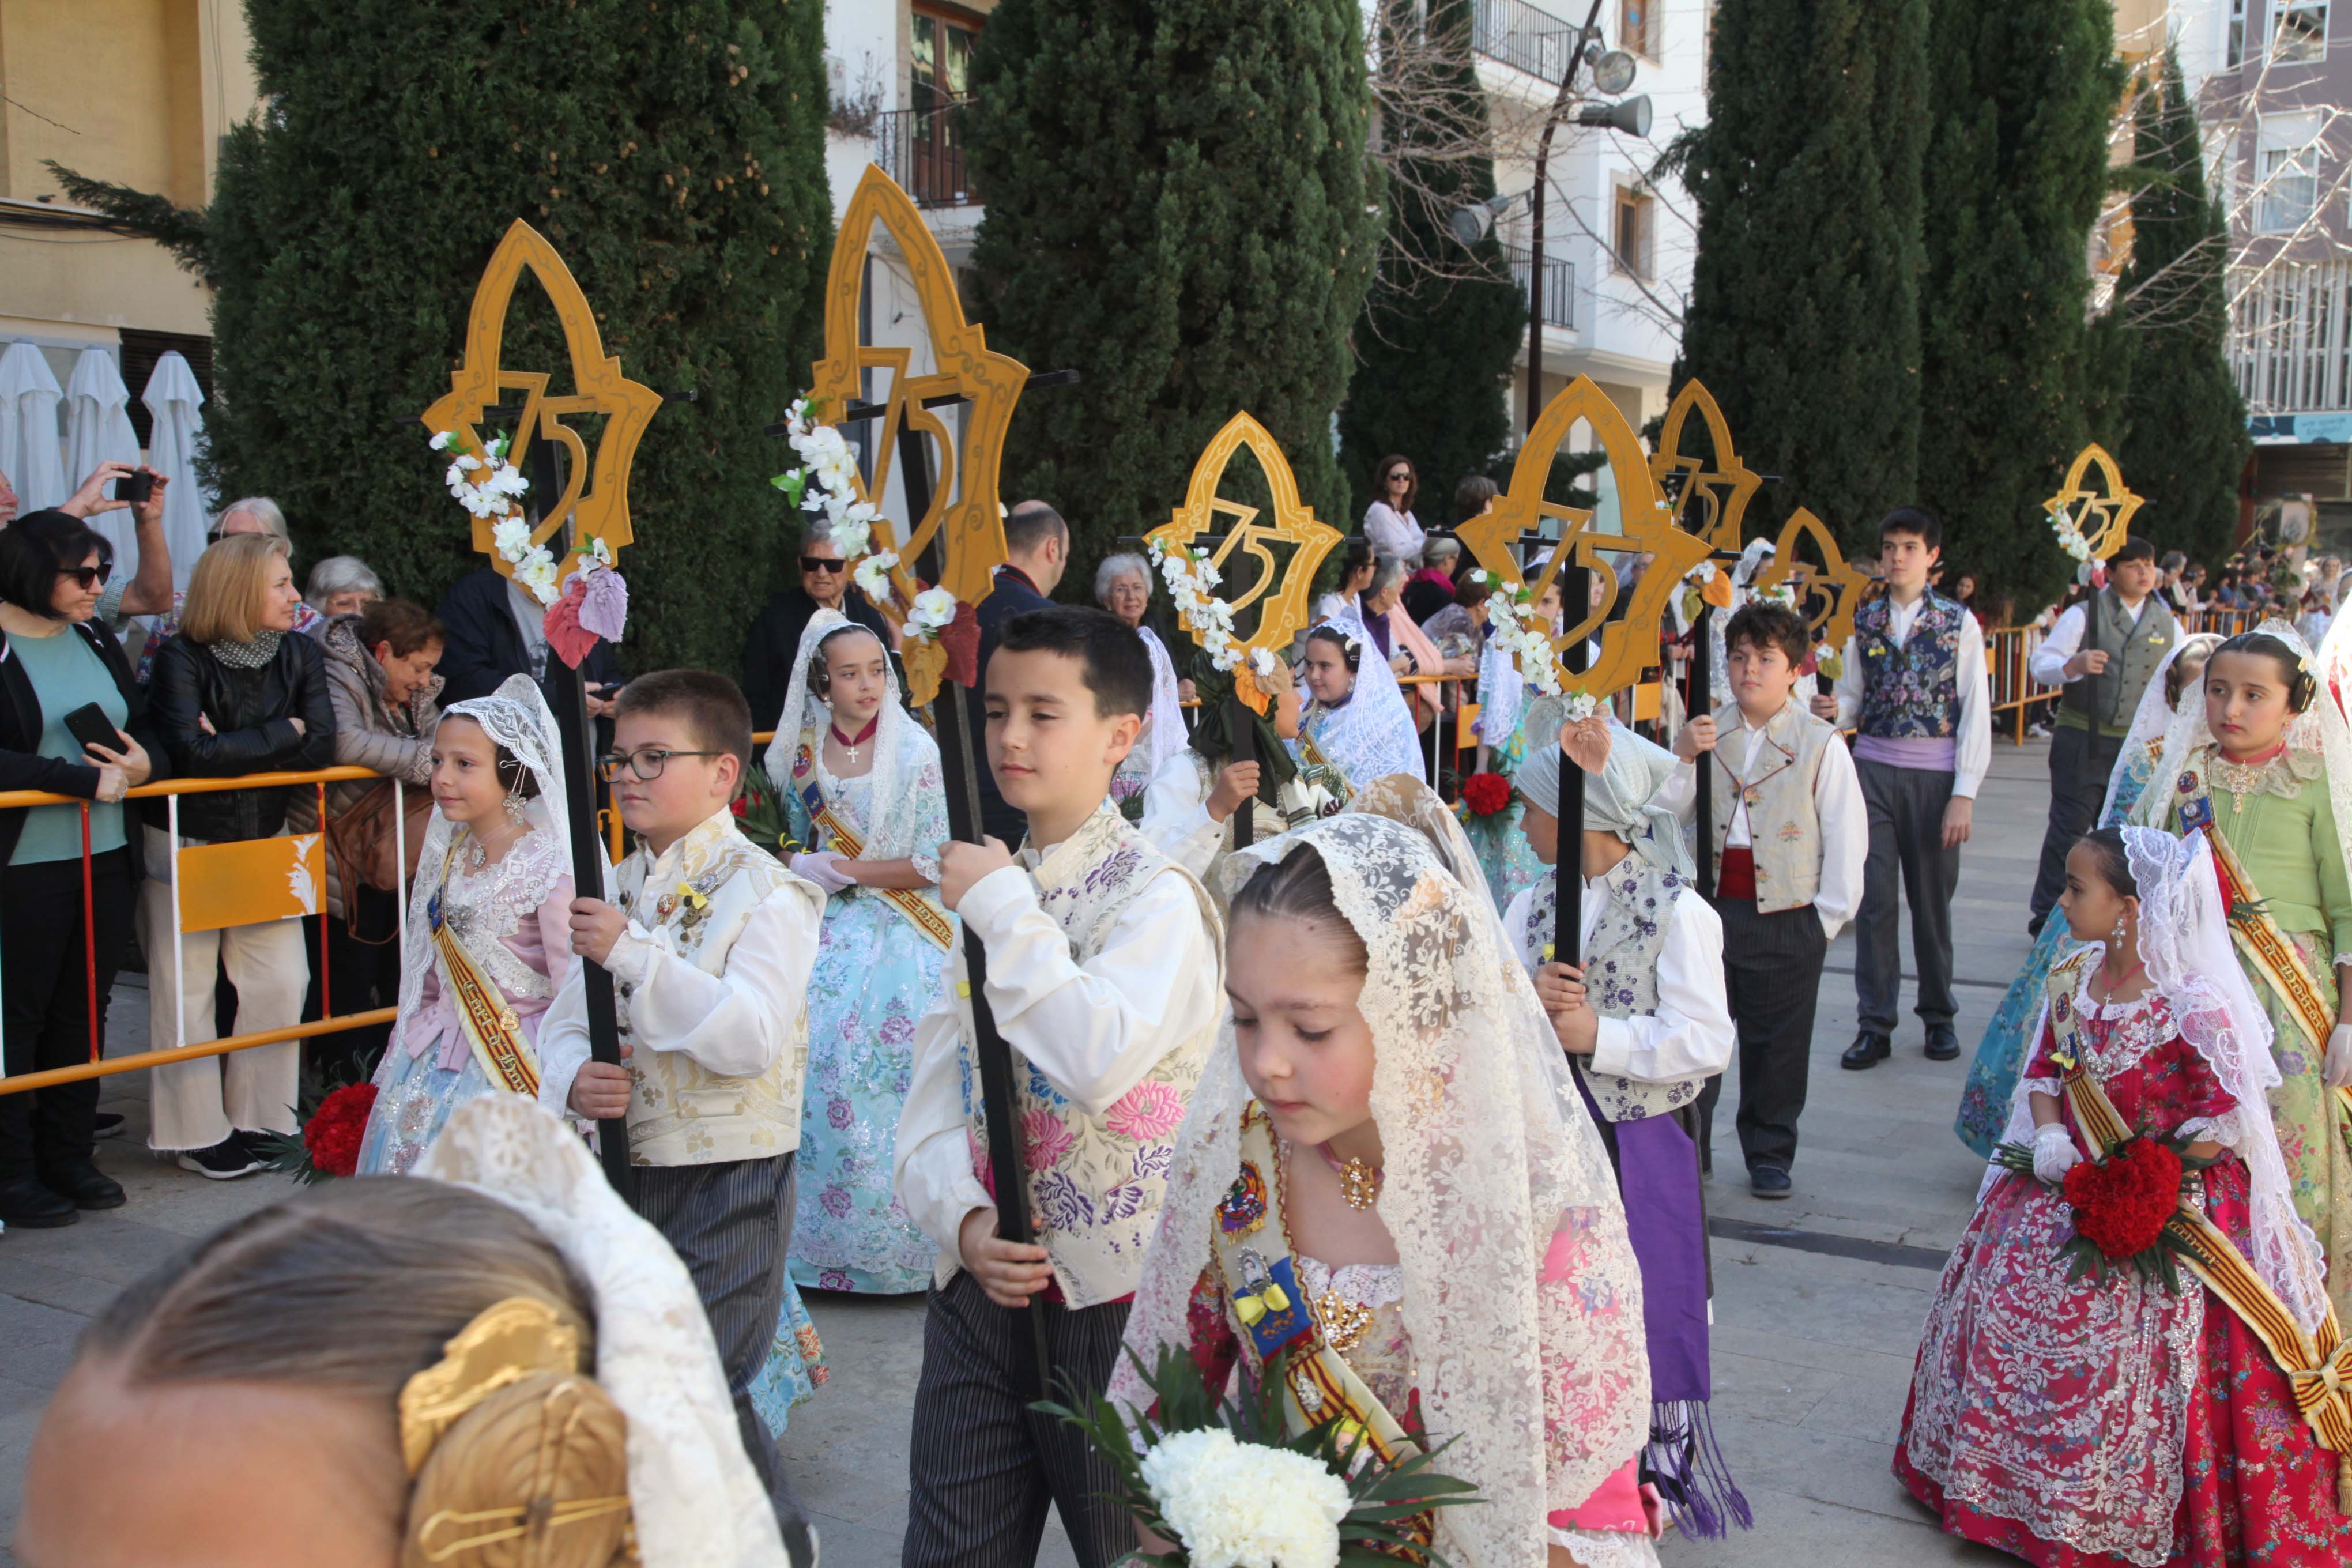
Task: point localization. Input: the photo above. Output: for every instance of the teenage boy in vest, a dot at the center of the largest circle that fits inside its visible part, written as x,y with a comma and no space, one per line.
1790,834
1106,975
710,941
2132,631
1913,684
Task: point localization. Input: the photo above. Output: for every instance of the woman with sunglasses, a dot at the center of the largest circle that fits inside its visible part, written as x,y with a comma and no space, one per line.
770,651
1388,522
53,570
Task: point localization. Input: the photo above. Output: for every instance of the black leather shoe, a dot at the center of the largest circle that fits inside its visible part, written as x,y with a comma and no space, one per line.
1767,1181
26,1203
1943,1044
1867,1051
86,1187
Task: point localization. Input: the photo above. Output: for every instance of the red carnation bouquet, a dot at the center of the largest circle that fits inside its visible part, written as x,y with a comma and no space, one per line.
2123,1206
1483,794
334,1118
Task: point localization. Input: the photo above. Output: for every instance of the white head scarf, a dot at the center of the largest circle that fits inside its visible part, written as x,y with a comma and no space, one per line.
1618,799
902,749
1166,736
1520,1290
2184,939
1372,736
2154,716
692,1490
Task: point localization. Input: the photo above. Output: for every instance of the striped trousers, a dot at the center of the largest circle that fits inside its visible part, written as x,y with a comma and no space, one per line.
731,1225
982,1466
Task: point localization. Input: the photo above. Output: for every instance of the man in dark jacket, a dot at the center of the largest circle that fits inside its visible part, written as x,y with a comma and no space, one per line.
1036,552
485,616
775,639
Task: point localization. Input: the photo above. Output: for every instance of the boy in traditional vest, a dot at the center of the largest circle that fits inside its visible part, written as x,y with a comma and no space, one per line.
710,941
1104,975
1790,834
1913,682
2131,633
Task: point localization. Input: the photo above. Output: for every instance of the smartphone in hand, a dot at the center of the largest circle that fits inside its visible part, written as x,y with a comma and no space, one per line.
91,726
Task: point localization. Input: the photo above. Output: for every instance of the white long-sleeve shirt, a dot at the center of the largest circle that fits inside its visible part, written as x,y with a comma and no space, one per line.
1972,737
2048,665
1837,803
1094,1029
1690,1035
1393,532
1176,815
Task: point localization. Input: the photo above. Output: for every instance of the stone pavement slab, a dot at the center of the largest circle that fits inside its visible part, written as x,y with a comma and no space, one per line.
1812,1348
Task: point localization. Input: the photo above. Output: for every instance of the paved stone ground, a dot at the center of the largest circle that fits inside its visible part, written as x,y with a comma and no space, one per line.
1812,1348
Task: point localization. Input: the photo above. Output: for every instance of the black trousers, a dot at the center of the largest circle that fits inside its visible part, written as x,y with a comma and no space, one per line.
1906,857
731,1225
363,973
45,1010
982,1467
2079,769
1772,977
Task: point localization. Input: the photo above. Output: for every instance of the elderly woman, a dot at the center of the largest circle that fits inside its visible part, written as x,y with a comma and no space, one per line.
340,586
1431,589
1123,586
1406,648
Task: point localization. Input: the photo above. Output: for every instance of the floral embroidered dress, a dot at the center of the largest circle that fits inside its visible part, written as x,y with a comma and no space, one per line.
1504,852
875,974
2081,1423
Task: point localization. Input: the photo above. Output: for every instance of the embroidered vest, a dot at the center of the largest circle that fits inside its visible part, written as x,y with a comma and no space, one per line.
1783,828
2134,652
1911,692
1095,1182
1620,973
680,1112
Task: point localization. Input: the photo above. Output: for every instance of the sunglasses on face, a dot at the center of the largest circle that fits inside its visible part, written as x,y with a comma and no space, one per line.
87,577
820,564
1400,477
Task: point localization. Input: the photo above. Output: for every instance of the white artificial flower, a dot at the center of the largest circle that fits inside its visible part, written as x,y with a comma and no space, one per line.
441,440
934,611
513,537
536,572
1581,705
873,575
1237,1505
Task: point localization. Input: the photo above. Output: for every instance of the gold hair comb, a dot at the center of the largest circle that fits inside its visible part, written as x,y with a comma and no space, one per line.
517,1338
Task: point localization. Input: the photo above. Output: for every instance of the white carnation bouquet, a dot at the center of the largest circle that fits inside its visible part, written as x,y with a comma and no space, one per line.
1231,1489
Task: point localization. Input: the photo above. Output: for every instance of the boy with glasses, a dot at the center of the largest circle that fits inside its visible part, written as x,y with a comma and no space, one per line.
710,941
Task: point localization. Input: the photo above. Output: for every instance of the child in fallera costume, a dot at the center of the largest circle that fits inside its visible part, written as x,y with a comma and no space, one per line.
1357,720
2083,1419
1388,1128
490,924
710,941
861,783
2008,1036
2258,768
1644,1022
1504,697
1104,975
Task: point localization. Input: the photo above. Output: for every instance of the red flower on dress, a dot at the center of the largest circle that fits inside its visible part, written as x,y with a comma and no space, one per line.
334,1133
2122,1203
1485,794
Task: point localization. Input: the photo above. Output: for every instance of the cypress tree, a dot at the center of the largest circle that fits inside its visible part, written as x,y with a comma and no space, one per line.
2017,169
1178,207
2184,440
1804,311
673,155
1441,323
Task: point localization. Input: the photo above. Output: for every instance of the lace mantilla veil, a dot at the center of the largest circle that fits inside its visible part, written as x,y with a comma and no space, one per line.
516,717
2184,939
692,1491
1373,736
1168,734
2152,720
902,749
1521,1291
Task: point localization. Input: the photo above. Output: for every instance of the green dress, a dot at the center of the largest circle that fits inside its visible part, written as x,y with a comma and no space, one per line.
2277,819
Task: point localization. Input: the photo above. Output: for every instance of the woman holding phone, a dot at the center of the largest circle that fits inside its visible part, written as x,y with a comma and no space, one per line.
69,713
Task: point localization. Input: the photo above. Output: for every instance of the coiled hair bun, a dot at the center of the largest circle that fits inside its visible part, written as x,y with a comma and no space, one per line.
536,1476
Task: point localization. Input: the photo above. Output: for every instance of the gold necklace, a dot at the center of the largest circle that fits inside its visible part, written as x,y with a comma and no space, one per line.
1359,1184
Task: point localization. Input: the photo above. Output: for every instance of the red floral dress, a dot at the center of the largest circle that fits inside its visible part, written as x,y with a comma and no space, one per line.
2084,1425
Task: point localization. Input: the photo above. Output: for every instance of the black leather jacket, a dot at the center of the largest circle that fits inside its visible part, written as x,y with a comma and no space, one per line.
251,712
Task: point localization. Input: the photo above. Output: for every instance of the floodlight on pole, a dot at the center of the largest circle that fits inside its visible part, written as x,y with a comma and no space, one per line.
1630,115
1612,69
1474,222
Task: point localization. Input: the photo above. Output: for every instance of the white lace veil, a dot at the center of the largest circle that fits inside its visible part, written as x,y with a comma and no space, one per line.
516,717
1373,736
1521,1291
902,749
692,1490
2153,718
1168,735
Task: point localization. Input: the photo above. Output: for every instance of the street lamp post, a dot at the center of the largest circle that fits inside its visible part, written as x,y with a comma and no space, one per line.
1536,219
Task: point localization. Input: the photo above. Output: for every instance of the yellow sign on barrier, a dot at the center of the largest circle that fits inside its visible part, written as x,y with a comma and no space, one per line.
248,883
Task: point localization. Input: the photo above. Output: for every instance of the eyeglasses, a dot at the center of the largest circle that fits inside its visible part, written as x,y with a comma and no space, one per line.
823,564
89,577
646,763
1400,477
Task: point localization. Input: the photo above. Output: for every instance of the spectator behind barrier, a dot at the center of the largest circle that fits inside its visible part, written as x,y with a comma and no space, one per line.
53,661
234,692
340,586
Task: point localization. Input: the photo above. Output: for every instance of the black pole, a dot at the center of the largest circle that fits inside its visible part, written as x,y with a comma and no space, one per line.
1535,217
960,764
1242,739
2088,644
1568,924
1702,702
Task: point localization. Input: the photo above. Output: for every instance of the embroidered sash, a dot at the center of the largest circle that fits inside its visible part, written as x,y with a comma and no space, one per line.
490,1027
1314,768
2318,1365
922,908
1252,1247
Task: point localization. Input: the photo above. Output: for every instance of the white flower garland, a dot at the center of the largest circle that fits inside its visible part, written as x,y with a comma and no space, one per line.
2070,535
1518,629
1190,577
499,484
1242,1505
826,480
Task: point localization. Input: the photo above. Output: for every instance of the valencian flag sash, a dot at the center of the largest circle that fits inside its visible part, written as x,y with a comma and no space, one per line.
490,1027
919,906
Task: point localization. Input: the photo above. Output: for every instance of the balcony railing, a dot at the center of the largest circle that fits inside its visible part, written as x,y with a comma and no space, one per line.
1559,286
1524,37
922,149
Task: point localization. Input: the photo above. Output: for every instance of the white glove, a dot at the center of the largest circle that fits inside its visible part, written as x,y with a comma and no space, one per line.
2054,1152
2339,1056
818,866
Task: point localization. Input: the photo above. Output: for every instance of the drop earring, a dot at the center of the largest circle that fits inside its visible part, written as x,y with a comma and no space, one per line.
517,806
